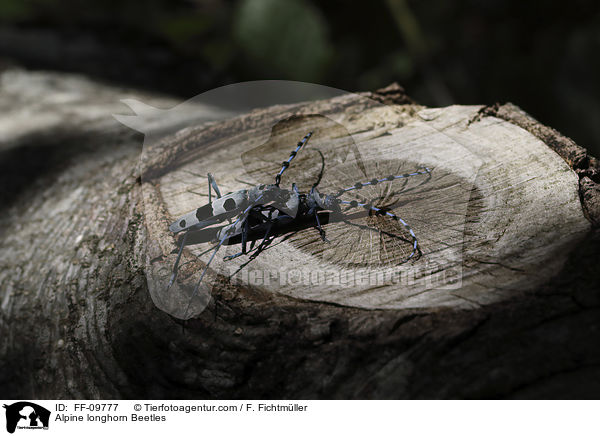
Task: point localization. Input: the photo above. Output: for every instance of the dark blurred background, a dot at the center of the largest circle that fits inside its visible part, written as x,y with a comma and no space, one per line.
542,56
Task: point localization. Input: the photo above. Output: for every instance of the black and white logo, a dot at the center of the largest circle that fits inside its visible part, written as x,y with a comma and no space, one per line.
26,415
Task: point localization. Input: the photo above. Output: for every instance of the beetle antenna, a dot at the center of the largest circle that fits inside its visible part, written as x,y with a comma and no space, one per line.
293,154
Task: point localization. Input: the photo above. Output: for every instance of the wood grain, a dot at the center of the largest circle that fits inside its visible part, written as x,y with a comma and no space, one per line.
80,245
481,218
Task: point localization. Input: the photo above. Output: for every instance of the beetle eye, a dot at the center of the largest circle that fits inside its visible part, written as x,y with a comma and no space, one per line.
182,223
229,204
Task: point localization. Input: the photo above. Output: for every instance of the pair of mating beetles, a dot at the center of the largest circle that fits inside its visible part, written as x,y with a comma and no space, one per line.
265,207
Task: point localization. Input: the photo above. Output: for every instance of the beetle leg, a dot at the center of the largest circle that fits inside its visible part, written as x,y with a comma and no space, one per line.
319,228
203,273
212,183
245,231
176,265
242,216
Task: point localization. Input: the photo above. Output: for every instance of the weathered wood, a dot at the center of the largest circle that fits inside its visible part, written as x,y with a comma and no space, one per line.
78,245
481,218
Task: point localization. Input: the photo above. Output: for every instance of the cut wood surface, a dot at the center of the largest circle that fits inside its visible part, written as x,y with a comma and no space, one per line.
481,216
510,204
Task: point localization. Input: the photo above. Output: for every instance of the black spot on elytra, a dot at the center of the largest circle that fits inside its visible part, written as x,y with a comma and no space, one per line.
229,204
204,212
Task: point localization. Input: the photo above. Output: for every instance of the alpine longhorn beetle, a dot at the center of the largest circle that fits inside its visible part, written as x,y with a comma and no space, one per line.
269,206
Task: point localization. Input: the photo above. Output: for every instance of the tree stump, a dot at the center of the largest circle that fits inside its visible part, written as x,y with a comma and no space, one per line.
501,300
